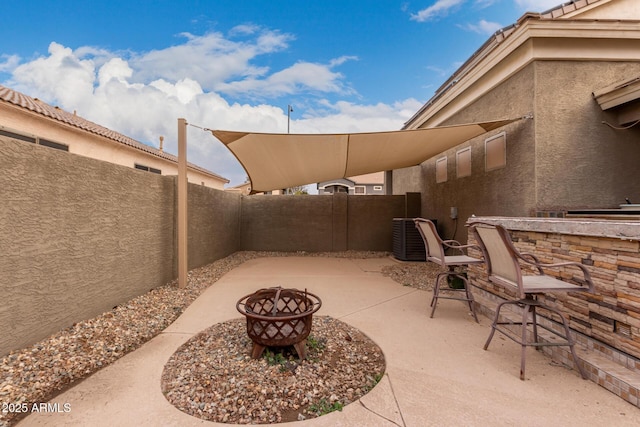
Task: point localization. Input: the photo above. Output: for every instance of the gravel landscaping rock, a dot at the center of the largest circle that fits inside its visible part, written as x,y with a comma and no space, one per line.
213,377
39,372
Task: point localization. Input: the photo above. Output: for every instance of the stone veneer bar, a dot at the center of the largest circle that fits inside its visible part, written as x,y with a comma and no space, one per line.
607,322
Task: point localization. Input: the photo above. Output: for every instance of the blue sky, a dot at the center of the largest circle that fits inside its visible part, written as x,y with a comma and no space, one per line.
344,66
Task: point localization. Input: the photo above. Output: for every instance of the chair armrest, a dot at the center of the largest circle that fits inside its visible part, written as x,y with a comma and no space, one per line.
454,244
539,265
536,262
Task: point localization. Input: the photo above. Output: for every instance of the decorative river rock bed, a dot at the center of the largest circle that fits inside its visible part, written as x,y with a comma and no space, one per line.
213,377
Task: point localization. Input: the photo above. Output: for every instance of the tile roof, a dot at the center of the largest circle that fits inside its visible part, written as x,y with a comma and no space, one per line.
565,8
56,113
497,38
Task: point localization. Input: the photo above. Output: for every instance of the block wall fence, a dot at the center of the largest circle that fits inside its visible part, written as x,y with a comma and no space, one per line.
79,236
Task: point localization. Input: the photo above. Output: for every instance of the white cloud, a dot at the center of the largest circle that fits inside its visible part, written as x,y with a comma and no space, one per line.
438,70
301,76
143,94
538,5
62,75
347,117
483,27
8,62
438,9
210,59
485,3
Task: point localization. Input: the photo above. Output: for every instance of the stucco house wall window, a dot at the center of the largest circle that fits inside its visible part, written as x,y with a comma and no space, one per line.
53,144
17,136
463,162
148,169
495,152
441,169
34,139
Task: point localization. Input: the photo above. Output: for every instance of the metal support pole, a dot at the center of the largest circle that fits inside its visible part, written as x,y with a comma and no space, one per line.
182,204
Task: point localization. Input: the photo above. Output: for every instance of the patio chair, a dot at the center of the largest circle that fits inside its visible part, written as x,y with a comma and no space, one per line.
503,267
435,252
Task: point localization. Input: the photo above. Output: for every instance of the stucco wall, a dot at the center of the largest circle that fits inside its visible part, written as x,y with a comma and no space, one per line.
582,163
214,224
78,237
319,223
564,158
506,191
370,219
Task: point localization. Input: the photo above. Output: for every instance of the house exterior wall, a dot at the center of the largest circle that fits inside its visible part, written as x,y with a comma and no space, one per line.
372,184
564,158
580,162
20,120
506,191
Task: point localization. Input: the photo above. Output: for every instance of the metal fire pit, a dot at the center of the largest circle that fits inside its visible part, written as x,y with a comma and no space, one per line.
278,317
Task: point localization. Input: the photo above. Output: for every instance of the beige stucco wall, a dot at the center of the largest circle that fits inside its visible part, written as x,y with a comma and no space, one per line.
507,191
564,158
318,223
582,163
20,120
213,224
609,9
78,236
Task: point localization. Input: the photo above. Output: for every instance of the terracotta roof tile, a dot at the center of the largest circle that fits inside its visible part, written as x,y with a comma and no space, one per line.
567,7
35,105
497,38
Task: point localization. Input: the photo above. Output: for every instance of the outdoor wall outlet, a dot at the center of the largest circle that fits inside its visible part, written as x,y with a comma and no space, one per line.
454,213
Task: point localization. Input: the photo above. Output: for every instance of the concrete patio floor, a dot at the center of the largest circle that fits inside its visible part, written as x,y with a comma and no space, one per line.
437,372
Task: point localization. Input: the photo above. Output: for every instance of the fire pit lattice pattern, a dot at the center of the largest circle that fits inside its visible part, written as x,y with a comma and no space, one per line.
278,317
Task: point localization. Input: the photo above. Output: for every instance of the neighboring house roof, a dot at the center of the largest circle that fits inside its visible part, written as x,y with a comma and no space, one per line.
375,178
56,113
244,188
370,178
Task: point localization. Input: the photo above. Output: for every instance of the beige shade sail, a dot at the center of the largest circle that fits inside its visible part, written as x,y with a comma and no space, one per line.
277,161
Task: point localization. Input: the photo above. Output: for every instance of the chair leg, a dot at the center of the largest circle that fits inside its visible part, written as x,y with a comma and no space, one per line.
436,292
436,289
494,325
467,291
523,355
529,306
534,321
571,344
